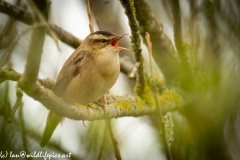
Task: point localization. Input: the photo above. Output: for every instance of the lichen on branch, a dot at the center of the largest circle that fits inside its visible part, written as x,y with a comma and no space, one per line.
118,106
128,6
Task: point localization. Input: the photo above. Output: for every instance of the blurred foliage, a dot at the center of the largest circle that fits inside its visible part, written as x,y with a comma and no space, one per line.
205,126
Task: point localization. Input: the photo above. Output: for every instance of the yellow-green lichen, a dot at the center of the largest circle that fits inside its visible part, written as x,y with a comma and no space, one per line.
81,106
149,99
137,88
169,96
158,79
124,105
132,6
93,106
139,101
148,96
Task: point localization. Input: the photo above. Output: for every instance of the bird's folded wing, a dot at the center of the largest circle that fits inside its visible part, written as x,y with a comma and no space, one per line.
70,69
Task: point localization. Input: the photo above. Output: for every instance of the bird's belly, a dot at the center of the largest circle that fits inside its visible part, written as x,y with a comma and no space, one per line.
84,90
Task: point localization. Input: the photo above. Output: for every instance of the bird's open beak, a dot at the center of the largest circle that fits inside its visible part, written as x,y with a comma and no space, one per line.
115,41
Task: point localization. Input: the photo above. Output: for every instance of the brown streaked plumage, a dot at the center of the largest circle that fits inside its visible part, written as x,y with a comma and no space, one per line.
87,74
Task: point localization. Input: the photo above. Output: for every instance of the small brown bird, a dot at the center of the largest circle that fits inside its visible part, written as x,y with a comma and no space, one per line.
87,74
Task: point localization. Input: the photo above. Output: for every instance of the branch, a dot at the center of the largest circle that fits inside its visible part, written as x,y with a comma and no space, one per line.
186,71
9,33
119,106
27,18
136,42
23,130
11,74
16,105
103,143
177,25
162,130
91,25
163,51
28,81
114,140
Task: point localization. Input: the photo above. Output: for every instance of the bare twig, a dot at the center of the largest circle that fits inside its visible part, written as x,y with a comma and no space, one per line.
12,75
114,140
149,45
164,53
7,107
103,143
186,71
43,21
177,25
33,60
9,32
134,70
23,129
91,25
14,42
29,78
27,18
16,105
162,132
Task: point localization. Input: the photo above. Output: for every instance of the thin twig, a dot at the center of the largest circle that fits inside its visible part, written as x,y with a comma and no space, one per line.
11,74
23,129
177,25
91,25
114,140
15,40
8,31
7,108
134,70
149,45
109,127
29,78
27,18
43,21
186,71
164,53
162,131
103,143
16,105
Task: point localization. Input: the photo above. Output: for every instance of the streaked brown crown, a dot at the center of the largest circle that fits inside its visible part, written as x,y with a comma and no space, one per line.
98,39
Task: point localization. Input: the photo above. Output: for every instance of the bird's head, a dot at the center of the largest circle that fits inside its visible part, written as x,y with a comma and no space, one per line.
103,41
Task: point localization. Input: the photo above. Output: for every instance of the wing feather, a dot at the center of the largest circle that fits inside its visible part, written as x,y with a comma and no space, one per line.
70,69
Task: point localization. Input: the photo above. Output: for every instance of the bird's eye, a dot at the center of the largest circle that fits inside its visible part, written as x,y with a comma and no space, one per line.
104,40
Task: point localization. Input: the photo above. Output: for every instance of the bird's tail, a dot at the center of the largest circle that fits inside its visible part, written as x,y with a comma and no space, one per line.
52,121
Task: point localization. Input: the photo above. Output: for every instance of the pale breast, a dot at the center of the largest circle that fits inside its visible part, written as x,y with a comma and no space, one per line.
93,81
